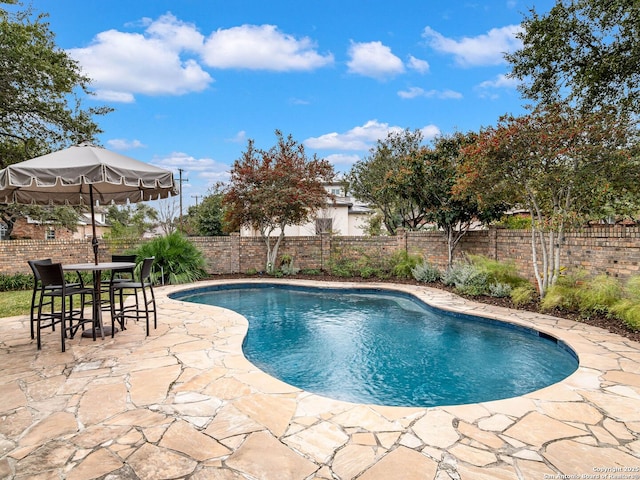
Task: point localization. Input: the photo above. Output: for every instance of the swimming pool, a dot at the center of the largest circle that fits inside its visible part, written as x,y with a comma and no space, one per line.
386,348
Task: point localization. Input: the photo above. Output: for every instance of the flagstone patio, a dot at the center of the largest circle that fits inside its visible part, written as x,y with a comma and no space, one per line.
184,403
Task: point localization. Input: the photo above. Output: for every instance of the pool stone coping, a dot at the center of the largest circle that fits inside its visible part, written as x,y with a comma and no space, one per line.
184,402
182,295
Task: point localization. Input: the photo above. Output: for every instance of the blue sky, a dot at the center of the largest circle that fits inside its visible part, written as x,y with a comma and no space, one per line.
191,81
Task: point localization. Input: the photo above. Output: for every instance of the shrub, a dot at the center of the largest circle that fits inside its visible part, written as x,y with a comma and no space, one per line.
359,263
287,267
577,292
311,271
483,276
565,294
426,272
18,281
472,281
628,308
177,260
514,222
599,294
498,272
341,264
451,274
631,289
402,263
500,290
480,275
368,272
467,279
523,295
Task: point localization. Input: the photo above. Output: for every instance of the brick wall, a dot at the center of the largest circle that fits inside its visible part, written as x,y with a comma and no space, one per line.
15,253
612,250
23,229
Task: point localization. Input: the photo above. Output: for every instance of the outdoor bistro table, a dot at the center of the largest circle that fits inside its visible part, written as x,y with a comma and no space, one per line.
96,269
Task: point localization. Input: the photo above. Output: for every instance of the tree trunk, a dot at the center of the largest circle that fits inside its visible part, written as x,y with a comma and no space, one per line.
272,250
9,221
450,247
534,259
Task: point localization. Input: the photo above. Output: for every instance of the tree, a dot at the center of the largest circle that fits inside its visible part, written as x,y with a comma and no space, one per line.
40,96
40,91
272,189
427,178
207,218
368,180
176,259
167,212
130,223
564,166
584,51
60,216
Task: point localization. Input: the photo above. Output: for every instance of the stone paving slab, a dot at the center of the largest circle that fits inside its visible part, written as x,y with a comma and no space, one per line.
184,403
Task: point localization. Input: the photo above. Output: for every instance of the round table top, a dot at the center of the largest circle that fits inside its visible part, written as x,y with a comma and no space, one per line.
99,266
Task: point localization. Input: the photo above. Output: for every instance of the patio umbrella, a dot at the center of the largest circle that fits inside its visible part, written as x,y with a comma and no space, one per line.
84,175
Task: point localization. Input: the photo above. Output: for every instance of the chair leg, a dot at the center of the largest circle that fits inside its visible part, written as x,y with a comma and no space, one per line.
153,303
93,313
38,326
117,315
31,315
146,308
112,301
71,314
63,332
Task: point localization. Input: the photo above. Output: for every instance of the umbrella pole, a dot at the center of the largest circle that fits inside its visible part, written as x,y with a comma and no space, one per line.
94,240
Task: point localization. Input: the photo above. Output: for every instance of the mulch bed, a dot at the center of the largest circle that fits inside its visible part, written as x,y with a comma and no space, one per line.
611,324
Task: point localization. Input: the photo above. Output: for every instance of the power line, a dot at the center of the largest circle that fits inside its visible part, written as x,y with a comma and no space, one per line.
181,180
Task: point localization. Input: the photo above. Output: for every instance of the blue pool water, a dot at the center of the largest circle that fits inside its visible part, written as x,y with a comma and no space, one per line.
386,348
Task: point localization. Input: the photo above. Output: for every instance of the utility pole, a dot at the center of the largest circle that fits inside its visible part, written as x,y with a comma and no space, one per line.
181,180
196,197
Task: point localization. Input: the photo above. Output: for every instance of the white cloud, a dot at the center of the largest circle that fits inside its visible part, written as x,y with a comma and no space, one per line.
214,176
123,144
486,49
299,101
261,47
111,96
188,163
196,170
430,132
373,59
154,63
175,34
411,92
491,88
421,66
358,138
342,159
361,138
501,81
239,137
414,92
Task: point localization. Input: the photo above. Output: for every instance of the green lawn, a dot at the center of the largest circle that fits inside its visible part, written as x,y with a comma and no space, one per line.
15,303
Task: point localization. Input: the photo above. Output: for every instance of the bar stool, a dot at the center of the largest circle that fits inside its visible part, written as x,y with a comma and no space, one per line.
138,310
38,288
55,291
117,275
37,293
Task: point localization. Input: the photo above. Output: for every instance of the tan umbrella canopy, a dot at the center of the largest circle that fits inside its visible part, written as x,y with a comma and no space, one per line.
84,175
